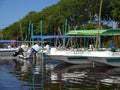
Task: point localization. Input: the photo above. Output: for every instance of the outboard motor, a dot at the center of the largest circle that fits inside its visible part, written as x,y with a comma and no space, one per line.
33,50
20,50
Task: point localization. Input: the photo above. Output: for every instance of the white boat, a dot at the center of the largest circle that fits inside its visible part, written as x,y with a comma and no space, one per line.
8,49
7,53
85,56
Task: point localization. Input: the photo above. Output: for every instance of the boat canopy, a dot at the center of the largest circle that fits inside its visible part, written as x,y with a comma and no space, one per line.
54,36
107,32
48,36
111,32
6,41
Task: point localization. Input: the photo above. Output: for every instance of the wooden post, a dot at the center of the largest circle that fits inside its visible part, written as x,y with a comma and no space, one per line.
116,37
99,24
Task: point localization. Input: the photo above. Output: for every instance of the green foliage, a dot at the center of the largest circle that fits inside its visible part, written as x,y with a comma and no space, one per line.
79,14
116,10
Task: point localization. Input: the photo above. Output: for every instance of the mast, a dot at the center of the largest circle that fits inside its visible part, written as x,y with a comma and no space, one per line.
21,32
64,32
32,32
41,32
29,27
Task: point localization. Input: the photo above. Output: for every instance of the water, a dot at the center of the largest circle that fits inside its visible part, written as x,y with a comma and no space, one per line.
8,77
57,76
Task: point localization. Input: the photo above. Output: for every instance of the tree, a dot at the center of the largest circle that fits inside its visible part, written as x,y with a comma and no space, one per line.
79,13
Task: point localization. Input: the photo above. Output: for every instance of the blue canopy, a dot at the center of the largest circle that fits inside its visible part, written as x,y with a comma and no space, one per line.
1,41
54,36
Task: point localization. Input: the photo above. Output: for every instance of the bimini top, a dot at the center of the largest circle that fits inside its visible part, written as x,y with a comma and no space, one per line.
107,32
1,41
48,36
54,36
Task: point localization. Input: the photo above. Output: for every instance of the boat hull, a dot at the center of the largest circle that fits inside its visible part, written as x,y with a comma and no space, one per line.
86,57
71,59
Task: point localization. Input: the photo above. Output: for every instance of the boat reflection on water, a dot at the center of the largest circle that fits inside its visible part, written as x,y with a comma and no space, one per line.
113,78
87,76
58,76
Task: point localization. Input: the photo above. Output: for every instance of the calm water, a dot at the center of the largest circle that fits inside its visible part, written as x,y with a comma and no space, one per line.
57,76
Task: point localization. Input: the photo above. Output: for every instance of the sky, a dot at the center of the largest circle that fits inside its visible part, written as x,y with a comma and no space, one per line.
13,10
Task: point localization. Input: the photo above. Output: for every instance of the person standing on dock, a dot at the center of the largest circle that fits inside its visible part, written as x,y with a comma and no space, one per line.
47,47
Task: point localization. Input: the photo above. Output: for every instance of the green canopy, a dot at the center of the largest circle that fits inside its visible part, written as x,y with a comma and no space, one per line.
111,32
94,32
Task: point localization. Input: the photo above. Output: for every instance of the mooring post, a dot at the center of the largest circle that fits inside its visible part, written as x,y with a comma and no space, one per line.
42,69
93,64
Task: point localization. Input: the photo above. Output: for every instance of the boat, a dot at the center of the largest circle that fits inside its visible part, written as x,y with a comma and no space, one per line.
7,53
8,49
107,56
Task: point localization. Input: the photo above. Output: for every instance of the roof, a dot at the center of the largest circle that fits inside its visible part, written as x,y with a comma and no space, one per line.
94,32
